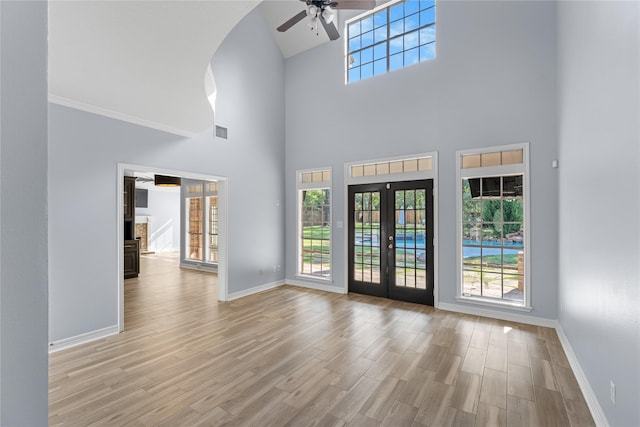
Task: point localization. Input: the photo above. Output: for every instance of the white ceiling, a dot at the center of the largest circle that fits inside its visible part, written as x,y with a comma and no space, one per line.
139,61
144,61
299,37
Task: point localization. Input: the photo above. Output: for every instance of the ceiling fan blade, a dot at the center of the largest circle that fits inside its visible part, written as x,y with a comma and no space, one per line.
356,4
331,30
293,21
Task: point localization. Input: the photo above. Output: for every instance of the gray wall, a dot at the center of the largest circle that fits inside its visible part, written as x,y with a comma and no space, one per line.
493,82
164,224
599,96
84,152
23,213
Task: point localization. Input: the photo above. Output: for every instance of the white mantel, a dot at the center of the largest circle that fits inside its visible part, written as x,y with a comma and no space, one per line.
141,219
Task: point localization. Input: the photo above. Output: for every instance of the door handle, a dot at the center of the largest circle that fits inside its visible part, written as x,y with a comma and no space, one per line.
390,246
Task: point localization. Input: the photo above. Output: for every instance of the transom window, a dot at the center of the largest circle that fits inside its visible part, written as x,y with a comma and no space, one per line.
390,38
493,222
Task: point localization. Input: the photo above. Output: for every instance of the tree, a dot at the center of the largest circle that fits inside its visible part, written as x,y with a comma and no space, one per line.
499,211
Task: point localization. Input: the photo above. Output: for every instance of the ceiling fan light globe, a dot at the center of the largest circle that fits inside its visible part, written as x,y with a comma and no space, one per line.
312,11
328,14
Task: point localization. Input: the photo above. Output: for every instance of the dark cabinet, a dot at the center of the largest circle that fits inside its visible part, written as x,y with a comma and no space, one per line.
131,260
129,200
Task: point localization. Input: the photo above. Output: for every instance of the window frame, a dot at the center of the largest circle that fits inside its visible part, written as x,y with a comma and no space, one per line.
300,187
202,190
388,38
212,219
488,172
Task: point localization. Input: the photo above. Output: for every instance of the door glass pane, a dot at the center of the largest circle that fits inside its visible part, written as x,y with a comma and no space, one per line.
366,245
410,238
410,278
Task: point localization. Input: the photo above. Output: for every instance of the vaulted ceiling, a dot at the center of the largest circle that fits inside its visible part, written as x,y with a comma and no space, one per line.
139,61
145,61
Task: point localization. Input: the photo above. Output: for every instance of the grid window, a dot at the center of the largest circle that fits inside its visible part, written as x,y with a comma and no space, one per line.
201,222
314,216
194,228
493,224
388,39
212,234
420,164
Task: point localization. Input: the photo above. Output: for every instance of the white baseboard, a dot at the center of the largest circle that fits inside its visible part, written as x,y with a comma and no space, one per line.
83,338
200,267
315,285
501,315
255,290
592,402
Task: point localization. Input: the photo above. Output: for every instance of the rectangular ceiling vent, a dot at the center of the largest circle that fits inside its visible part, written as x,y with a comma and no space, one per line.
221,132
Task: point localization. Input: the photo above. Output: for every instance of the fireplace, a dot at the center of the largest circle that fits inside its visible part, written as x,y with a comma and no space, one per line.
142,233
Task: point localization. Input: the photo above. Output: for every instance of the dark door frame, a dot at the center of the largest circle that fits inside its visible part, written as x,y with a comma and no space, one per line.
387,242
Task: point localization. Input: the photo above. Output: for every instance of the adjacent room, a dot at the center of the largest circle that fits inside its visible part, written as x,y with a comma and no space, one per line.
286,212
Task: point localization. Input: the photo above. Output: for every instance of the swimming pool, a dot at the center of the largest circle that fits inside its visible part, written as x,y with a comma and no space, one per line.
470,248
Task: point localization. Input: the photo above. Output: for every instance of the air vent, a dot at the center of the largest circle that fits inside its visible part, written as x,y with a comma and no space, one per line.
221,132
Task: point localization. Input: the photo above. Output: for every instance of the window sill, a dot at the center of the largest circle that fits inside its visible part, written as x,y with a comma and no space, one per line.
494,303
314,278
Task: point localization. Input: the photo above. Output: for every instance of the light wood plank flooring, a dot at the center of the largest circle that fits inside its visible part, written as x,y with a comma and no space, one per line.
295,357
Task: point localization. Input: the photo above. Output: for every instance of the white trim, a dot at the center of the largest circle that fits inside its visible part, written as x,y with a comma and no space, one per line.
370,12
589,396
501,315
300,186
436,226
392,177
522,168
94,109
223,245
493,149
83,338
495,303
488,171
396,177
255,290
315,285
222,224
204,267
345,230
312,278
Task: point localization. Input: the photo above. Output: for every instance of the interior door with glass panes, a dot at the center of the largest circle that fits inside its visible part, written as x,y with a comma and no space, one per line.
391,240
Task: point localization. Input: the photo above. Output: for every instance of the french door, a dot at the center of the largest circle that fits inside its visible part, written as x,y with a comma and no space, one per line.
391,240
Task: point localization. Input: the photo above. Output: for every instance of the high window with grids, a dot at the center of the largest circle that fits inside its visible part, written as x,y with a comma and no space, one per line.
390,38
314,223
493,225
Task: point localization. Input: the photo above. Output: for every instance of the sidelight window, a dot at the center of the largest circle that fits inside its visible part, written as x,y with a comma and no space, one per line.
493,226
314,223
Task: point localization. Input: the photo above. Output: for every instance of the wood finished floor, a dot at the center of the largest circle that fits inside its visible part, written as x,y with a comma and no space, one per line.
295,357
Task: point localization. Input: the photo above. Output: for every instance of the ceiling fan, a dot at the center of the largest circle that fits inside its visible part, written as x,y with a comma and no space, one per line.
323,11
